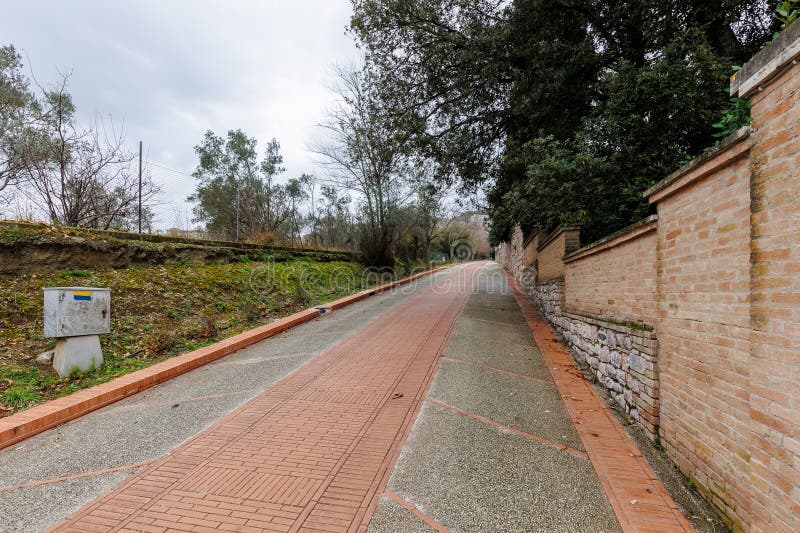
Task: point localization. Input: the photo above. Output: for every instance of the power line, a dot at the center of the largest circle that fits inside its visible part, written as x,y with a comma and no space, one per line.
163,167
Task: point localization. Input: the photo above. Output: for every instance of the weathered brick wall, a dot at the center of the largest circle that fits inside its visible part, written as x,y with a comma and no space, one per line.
615,277
703,325
552,250
775,310
622,355
719,378
610,315
530,254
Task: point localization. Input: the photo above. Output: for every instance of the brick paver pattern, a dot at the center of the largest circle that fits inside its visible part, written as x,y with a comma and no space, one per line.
312,452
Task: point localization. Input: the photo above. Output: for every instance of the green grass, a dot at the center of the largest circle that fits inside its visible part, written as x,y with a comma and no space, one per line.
158,311
19,396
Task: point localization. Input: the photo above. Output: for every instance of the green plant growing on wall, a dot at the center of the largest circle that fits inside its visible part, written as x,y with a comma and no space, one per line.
787,12
733,118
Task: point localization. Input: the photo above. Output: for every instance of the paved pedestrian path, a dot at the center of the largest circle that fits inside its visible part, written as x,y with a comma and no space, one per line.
434,411
311,452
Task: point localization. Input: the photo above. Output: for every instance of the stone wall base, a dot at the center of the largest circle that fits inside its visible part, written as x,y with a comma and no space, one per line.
622,357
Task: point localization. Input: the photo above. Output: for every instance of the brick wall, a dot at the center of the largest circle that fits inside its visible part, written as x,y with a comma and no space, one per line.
718,275
775,283
703,325
530,254
552,250
615,277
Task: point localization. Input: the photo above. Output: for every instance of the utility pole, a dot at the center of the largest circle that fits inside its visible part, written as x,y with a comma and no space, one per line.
140,187
238,203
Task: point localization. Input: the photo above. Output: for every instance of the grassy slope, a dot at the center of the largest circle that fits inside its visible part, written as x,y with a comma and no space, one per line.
158,311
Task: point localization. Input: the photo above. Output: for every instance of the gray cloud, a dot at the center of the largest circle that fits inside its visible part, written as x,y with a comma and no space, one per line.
173,69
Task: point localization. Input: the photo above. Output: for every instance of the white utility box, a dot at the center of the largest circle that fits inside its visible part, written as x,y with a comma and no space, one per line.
76,316
76,311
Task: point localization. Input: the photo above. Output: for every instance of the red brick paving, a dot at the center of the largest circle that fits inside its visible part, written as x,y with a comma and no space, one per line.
312,453
638,497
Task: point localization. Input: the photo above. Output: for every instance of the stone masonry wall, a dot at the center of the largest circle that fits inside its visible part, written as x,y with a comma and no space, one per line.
624,359
622,356
549,299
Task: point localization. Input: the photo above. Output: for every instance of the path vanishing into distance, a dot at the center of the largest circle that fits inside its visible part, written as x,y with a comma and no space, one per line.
442,406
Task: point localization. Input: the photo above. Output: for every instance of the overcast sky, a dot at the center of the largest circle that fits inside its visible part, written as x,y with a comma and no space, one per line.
173,69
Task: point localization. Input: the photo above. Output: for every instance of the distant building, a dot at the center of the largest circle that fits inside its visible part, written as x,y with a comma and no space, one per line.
478,224
187,234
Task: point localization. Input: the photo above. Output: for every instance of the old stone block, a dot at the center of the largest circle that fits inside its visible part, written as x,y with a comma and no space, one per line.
611,339
637,363
77,353
620,399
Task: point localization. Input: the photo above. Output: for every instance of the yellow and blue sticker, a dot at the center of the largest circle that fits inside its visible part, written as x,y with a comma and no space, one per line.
82,295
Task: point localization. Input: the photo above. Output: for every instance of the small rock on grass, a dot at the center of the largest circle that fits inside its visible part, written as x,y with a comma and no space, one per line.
45,358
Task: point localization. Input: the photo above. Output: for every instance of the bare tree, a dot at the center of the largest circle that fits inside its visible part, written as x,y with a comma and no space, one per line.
80,176
362,154
432,216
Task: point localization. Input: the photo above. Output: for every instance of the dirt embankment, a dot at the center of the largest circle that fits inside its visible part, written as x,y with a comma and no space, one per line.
46,249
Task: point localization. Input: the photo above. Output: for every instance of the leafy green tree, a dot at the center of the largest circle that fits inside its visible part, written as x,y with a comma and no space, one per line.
440,73
18,109
335,226
662,86
235,194
539,99
296,194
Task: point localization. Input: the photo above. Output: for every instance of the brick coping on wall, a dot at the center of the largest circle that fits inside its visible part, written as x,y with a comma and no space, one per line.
772,61
25,424
533,235
556,232
729,150
631,232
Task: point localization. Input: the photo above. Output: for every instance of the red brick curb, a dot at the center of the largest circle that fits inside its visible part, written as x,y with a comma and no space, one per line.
20,426
635,492
37,419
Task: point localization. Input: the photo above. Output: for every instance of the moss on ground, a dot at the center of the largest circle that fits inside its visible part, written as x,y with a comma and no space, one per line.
158,311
